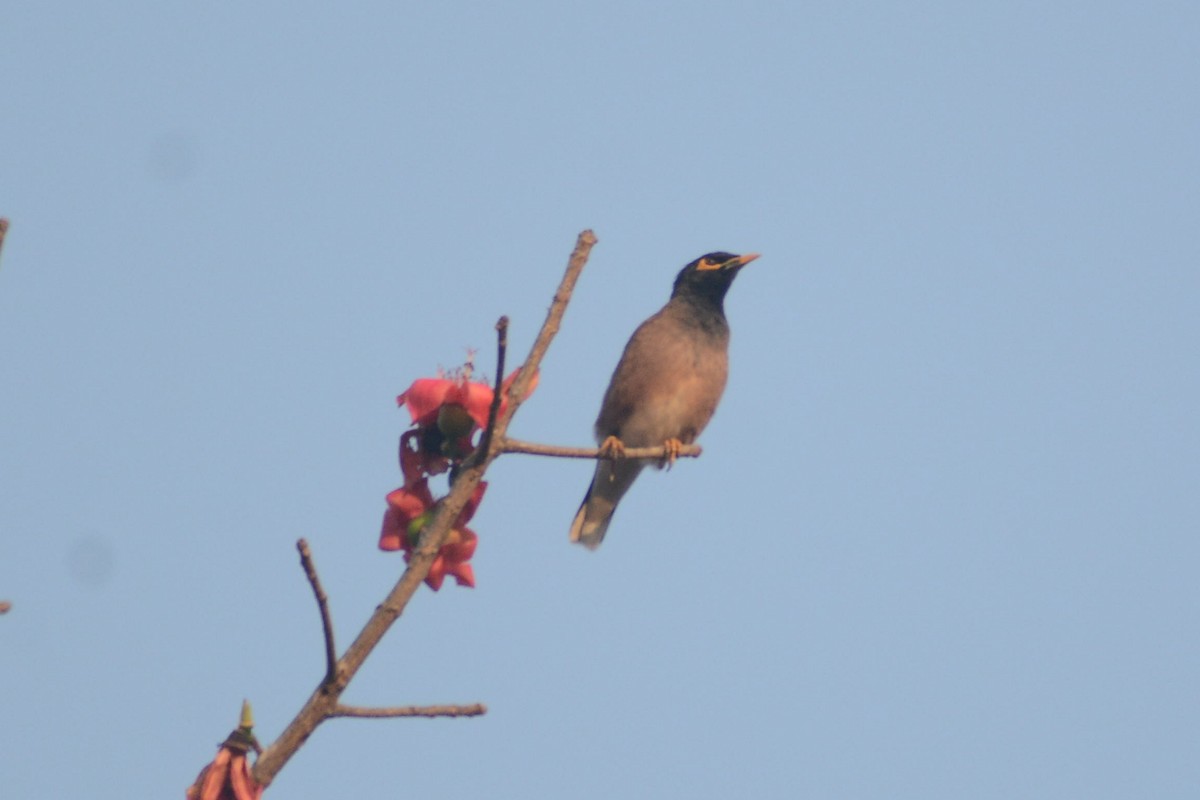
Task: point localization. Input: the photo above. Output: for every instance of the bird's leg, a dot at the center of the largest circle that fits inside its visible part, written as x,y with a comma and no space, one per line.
612,447
671,448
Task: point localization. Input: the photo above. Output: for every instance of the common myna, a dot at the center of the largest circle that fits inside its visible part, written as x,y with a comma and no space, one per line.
665,387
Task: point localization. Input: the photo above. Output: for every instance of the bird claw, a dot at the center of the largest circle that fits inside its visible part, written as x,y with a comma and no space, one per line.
612,447
671,448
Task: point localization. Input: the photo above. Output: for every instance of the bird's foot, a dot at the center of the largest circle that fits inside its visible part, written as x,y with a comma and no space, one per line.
612,447
671,448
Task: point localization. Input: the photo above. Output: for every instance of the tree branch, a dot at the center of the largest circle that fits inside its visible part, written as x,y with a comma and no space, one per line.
473,710
485,441
324,699
310,571
555,451
520,388
3,231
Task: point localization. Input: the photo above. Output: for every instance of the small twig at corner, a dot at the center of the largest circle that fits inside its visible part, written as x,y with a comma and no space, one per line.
473,710
310,571
3,230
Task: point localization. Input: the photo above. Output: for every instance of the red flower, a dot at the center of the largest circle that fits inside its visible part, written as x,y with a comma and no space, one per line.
447,412
427,395
453,558
228,776
409,509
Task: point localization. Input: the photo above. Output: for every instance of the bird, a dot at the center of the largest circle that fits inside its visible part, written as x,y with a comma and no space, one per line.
665,387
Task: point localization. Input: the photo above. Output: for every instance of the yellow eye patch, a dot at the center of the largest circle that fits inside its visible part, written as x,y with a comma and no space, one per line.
706,264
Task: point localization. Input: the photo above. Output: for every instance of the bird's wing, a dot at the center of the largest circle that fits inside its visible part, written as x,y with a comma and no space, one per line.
666,385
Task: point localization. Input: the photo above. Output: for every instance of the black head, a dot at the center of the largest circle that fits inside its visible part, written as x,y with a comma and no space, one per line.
709,277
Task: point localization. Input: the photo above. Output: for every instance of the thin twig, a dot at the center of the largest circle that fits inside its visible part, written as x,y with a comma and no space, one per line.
485,441
324,698
310,571
536,449
473,710
3,231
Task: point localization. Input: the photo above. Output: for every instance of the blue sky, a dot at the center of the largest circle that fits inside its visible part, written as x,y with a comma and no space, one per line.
942,542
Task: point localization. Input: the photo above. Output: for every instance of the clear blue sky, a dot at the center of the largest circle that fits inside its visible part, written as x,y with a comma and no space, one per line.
943,539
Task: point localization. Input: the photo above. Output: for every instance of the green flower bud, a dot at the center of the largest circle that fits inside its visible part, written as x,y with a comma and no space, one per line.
416,526
454,422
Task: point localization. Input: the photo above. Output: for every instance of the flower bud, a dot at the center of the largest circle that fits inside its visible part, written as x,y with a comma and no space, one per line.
454,422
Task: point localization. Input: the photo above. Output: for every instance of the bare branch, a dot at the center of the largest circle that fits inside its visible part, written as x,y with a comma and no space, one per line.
3,231
485,441
364,712
323,701
310,571
555,451
520,388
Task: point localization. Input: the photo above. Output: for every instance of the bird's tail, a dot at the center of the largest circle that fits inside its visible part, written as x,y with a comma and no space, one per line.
611,481
591,521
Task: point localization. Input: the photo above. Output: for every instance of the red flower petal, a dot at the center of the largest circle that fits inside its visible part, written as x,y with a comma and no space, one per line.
241,780
393,534
510,380
404,505
463,547
464,574
390,542
472,505
411,502
412,461
437,573
424,397
476,398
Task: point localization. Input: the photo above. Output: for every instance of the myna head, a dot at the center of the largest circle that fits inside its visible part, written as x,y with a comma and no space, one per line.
709,277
